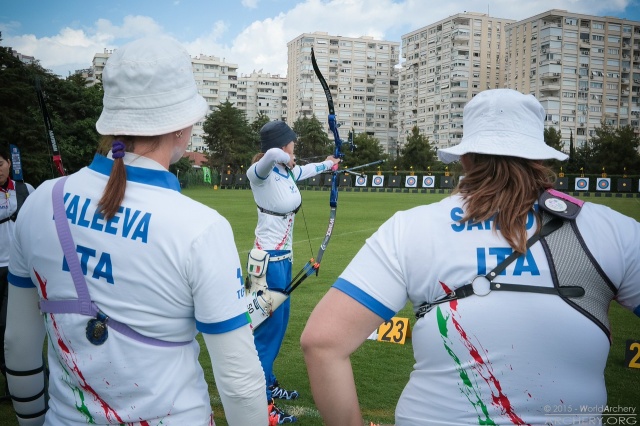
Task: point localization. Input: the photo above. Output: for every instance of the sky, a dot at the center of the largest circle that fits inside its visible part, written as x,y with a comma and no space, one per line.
64,35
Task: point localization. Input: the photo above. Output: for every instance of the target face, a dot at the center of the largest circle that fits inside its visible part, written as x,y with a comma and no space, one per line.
582,184
361,181
411,181
377,180
428,182
603,184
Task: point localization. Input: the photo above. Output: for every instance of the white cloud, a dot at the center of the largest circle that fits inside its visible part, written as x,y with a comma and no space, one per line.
250,4
263,43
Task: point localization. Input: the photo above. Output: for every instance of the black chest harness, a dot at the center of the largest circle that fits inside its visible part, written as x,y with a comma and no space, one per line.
283,215
577,278
22,192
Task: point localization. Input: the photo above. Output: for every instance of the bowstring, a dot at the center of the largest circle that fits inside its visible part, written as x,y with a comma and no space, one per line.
304,219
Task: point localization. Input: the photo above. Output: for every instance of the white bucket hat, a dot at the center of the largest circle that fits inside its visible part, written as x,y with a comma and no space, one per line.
503,122
149,90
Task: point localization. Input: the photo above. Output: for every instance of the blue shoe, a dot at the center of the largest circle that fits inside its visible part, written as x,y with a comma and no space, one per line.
277,416
281,393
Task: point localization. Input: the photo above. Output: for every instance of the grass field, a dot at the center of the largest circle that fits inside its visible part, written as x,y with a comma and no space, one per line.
381,369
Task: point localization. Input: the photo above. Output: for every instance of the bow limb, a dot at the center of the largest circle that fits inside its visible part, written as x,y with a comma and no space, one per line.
337,153
312,265
55,153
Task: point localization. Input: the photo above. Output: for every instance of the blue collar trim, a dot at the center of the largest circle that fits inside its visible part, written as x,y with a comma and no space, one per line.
285,175
161,178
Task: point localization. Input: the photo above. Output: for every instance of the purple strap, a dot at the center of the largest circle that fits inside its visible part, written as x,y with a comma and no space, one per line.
83,304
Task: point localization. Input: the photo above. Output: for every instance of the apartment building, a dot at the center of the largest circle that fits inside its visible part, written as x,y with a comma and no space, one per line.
217,82
94,74
584,69
446,64
263,93
362,79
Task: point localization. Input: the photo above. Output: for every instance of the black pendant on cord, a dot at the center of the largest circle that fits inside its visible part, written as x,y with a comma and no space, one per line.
97,332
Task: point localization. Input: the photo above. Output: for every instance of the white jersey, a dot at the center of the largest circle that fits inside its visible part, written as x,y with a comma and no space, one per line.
274,189
504,358
164,281
8,206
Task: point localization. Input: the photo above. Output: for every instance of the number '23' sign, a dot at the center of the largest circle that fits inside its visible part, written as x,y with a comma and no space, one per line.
394,331
632,356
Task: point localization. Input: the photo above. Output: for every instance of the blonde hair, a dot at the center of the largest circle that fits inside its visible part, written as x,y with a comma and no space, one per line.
504,187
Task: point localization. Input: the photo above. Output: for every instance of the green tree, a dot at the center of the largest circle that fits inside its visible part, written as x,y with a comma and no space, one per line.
231,141
257,124
181,167
612,148
368,150
313,143
260,121
416,152
572,148
553,138
73,110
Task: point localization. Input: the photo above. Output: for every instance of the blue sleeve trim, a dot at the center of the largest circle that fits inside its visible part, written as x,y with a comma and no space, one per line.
255,171
224,326
637,311
22,282
365,299
299,174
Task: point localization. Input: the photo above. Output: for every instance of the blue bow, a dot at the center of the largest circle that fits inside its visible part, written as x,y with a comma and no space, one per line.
312,265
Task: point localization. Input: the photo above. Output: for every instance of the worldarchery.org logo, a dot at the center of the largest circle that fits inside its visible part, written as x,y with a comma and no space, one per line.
606,409
592,415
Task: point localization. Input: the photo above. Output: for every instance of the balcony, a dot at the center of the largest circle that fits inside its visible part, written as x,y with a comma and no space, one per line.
460,36
549,75
550,87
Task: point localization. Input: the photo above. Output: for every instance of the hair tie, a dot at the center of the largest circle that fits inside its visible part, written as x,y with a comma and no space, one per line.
117,149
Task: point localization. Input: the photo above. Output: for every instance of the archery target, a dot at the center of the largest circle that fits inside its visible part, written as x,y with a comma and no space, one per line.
410,182
377,181
582,184
361,180
603,184
428,182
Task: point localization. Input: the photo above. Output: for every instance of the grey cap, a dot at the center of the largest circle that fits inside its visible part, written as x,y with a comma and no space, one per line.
276,134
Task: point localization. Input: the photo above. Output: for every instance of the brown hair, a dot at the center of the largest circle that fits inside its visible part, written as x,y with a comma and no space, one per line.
257,157
114,191
506,187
